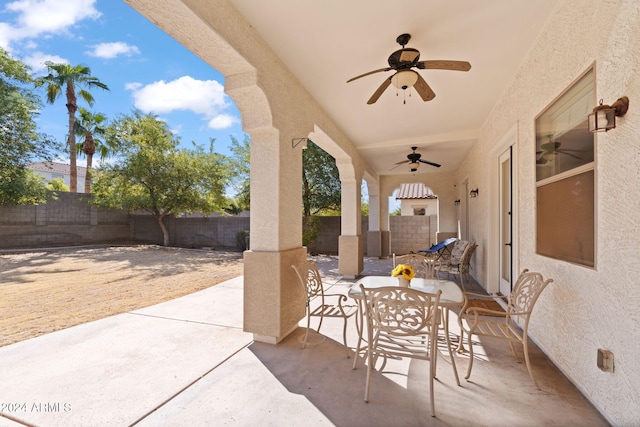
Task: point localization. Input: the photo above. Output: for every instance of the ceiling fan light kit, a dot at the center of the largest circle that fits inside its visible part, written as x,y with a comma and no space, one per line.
404,79
603,117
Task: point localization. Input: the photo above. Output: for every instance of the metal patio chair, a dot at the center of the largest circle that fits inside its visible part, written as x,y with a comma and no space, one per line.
331,305
502,325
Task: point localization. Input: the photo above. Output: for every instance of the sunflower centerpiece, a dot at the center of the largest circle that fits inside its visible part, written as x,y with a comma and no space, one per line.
404,273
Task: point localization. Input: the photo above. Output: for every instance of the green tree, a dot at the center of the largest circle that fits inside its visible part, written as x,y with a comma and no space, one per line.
21,186
57,184
20,143
65,77
241,172
152,174
321,188
90,127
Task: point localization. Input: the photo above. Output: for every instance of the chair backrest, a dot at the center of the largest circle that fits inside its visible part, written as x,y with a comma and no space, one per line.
457,251
525,293
310,279
465,261
418,262
402,312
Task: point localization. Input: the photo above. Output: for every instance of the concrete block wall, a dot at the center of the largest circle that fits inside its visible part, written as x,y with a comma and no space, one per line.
70,220
411,233
66,220
203,232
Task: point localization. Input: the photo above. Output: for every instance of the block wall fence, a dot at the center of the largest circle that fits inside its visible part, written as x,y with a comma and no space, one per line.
71,220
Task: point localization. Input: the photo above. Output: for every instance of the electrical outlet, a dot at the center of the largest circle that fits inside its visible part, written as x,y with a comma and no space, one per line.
605,360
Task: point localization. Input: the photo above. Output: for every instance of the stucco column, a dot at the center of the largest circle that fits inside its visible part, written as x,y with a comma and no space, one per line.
273,297
385,236
350,242
374,238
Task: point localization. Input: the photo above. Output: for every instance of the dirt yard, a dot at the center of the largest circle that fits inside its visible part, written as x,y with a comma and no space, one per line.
48,290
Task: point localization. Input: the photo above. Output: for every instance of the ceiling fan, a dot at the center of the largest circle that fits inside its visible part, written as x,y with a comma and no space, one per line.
402,61
414,161
550,149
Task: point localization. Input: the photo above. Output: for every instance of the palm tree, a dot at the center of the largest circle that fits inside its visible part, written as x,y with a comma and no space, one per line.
67,77
89,127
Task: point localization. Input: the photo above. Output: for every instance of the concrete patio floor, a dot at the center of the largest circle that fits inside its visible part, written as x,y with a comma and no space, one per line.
187,362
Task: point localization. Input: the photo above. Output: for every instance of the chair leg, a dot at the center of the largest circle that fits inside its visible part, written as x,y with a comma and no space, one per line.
368,381
470,344
526,358
344,336
320,324
360,329
306,332
432,374
448,341
462,282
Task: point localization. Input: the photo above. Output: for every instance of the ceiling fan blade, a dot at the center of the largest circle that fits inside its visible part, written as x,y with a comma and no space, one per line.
561,151
429,163
444,65
551,146
399,163
423,89
370,72
385,84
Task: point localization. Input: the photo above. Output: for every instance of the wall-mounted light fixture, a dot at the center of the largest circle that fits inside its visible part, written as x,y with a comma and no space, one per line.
603,117
473,193
456,202
297,141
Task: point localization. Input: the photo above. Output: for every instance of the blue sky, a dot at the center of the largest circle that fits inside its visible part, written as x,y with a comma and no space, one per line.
143,67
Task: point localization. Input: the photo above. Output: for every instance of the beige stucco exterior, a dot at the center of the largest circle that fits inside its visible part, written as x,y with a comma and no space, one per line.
583,309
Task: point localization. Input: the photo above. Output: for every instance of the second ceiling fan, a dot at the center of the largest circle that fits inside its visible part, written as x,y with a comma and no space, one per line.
414,160
403,61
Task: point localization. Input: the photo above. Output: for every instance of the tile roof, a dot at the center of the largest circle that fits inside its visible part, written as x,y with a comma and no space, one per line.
415,191
53,167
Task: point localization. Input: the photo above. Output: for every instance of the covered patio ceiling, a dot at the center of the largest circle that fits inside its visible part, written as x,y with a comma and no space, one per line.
325,43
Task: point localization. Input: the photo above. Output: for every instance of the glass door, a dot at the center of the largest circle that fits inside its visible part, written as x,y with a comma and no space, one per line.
506,222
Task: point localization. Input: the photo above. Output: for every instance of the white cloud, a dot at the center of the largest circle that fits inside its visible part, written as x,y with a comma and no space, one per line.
36,61
111,50
203,97
222,121
5,36
133,86
36,18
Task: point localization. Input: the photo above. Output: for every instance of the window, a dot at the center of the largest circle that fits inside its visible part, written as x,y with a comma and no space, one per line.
419,211
565,176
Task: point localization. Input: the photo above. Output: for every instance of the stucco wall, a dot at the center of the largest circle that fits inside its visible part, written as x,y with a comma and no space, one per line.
443,185
583,309
408,206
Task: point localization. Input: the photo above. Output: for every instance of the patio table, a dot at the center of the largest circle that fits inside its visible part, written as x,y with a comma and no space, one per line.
452,296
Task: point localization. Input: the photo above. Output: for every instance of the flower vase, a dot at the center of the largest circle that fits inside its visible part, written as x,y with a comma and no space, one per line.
403,282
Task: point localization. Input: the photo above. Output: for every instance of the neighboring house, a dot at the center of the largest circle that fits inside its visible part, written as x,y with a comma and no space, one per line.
417,199
52,170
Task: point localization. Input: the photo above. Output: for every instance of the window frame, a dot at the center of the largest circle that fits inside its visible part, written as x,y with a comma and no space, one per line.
559,249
